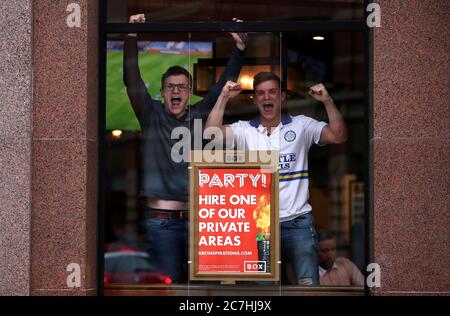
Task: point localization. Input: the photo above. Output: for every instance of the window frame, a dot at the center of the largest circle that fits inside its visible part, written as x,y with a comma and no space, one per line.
215,26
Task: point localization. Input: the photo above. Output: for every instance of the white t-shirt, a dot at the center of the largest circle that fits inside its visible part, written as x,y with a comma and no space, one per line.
292,137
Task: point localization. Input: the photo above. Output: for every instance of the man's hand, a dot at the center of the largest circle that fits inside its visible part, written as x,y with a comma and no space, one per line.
319,92
231,89
336,131
240,38
137,18
215,117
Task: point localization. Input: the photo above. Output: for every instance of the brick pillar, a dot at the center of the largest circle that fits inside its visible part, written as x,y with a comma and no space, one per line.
411,147
64,156
15,145
48,147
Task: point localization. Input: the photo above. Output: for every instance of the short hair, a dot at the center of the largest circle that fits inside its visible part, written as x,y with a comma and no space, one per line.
266,76
325,234
175,71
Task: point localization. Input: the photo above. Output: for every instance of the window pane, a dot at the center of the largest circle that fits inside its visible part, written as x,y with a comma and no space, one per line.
337,171
301,59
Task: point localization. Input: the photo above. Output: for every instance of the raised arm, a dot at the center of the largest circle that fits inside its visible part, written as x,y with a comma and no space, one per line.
136,89
336,131
231,71
215,118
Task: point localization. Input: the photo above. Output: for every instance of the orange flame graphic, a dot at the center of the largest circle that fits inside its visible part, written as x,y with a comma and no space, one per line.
261,215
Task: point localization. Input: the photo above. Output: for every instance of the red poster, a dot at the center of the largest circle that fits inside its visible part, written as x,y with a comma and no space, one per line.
233,220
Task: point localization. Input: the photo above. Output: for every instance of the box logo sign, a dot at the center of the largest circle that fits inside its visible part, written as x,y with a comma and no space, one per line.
255,266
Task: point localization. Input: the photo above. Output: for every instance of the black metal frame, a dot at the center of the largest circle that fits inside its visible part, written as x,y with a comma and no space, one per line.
193,27
101,157
368,189
270,26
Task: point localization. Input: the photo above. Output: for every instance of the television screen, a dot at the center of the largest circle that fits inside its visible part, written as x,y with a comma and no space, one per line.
154,59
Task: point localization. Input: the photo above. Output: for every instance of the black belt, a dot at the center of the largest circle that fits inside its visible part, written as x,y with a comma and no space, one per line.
169,214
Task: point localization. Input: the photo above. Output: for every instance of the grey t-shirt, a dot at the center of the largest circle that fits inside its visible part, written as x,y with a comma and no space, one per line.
161,176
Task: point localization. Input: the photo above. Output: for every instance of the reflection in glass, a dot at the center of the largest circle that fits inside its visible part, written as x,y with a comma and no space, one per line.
336,172
159,104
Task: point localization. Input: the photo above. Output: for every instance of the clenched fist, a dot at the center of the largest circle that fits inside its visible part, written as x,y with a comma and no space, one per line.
137,18
319,92
231,89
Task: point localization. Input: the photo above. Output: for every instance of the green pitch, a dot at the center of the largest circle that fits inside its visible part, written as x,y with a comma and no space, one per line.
119,114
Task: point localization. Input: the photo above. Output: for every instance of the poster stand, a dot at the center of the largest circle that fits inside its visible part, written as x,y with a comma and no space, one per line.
234,225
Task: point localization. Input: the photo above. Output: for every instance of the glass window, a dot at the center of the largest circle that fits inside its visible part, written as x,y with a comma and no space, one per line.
136,167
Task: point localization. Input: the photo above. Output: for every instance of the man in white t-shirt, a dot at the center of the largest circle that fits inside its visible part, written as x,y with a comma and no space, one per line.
292,137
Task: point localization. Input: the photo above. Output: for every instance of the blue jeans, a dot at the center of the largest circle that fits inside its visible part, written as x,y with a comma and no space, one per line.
299,250
167,245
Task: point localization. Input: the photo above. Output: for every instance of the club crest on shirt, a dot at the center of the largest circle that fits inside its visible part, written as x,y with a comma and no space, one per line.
290,136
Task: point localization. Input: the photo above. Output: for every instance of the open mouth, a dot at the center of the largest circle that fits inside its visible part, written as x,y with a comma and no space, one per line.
175,101
268,106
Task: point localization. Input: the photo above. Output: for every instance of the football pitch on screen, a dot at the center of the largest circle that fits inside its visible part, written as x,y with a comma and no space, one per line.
119,114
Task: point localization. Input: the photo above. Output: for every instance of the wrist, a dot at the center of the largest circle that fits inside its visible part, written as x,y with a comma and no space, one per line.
328,101
223,97
241,47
